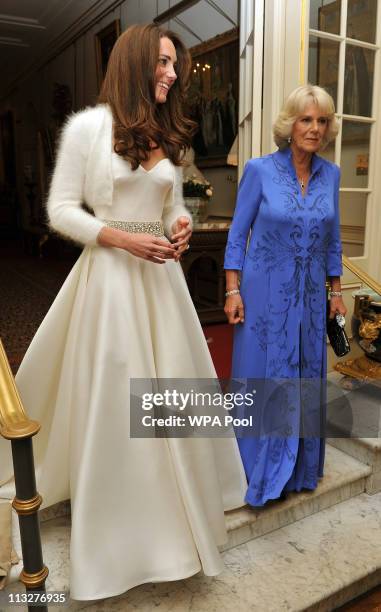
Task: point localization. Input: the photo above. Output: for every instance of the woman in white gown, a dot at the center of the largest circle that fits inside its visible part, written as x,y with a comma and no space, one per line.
143,510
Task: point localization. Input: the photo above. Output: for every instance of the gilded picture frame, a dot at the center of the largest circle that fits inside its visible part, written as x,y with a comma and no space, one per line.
213,98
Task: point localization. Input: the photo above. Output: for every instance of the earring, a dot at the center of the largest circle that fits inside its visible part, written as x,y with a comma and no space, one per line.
289,140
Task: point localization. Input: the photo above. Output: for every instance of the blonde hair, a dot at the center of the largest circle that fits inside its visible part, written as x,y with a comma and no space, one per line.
294,106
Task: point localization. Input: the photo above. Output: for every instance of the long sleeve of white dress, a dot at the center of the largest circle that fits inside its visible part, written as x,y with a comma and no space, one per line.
174,206
66,195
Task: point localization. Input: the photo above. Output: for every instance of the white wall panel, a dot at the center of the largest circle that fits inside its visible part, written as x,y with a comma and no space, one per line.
251,78
273,70
247,92
292,45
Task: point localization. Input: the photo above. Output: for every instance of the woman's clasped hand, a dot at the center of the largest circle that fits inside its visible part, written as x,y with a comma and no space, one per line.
147,246
181,236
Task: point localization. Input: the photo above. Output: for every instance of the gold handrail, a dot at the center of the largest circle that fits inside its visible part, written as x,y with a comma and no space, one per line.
19,429
363,276
14,422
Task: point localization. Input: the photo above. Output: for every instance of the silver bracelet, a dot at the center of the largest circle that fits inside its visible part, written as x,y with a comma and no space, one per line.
232,292
335,294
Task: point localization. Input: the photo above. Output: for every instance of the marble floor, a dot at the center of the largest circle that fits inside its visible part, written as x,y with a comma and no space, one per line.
316,564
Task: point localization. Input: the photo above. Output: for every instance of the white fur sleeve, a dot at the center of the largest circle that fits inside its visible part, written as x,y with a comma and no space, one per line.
174,205
66,191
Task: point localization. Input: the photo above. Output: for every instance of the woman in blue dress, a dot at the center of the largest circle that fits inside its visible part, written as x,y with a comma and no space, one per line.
276,297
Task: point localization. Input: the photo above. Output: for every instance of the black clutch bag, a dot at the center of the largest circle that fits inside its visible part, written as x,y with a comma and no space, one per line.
336,334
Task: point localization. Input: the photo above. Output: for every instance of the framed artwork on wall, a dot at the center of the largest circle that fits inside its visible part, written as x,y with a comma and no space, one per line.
213,98
104,41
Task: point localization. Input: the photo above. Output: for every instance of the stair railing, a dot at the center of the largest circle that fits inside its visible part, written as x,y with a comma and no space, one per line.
19,429
363,276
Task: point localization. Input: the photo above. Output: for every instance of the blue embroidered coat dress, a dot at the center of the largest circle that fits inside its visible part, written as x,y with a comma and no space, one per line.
294,245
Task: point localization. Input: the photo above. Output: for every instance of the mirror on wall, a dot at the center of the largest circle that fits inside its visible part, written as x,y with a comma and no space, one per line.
210,30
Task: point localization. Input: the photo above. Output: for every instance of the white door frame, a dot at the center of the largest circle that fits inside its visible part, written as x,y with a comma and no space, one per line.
250,80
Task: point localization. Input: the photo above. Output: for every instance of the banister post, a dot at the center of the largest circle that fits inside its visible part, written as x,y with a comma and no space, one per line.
16,427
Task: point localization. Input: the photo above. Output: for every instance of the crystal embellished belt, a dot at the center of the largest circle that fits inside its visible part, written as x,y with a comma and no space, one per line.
137,227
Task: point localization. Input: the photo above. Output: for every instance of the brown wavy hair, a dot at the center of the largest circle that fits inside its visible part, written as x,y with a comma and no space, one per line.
129,89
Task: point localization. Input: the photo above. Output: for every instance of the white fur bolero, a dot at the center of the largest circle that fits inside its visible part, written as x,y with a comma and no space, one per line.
83,175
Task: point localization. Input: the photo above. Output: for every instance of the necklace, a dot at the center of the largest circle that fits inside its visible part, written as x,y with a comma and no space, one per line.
301,182
303,166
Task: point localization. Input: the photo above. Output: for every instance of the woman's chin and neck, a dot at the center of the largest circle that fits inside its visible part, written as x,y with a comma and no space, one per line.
302,155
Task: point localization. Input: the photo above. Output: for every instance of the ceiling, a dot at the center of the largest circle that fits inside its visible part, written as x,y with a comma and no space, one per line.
204,20
28,28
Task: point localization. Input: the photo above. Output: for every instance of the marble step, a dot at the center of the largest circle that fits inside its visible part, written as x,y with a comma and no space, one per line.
317,564
354,423
366,450
345,477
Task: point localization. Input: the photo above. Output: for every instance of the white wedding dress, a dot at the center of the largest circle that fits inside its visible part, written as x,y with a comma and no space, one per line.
143,510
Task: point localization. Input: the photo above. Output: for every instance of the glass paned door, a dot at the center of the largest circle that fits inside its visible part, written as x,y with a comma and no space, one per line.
342,54
323,64
328,19
362,20
358,81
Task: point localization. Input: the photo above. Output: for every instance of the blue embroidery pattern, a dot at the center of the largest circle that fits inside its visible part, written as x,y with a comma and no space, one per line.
294,245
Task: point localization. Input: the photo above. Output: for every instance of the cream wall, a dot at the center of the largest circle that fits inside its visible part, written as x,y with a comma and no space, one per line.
224,181
353,206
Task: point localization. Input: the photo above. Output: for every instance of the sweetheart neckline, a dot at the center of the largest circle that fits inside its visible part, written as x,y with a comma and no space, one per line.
153,167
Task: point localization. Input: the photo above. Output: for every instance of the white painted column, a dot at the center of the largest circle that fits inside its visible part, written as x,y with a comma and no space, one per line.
250,80
284,70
